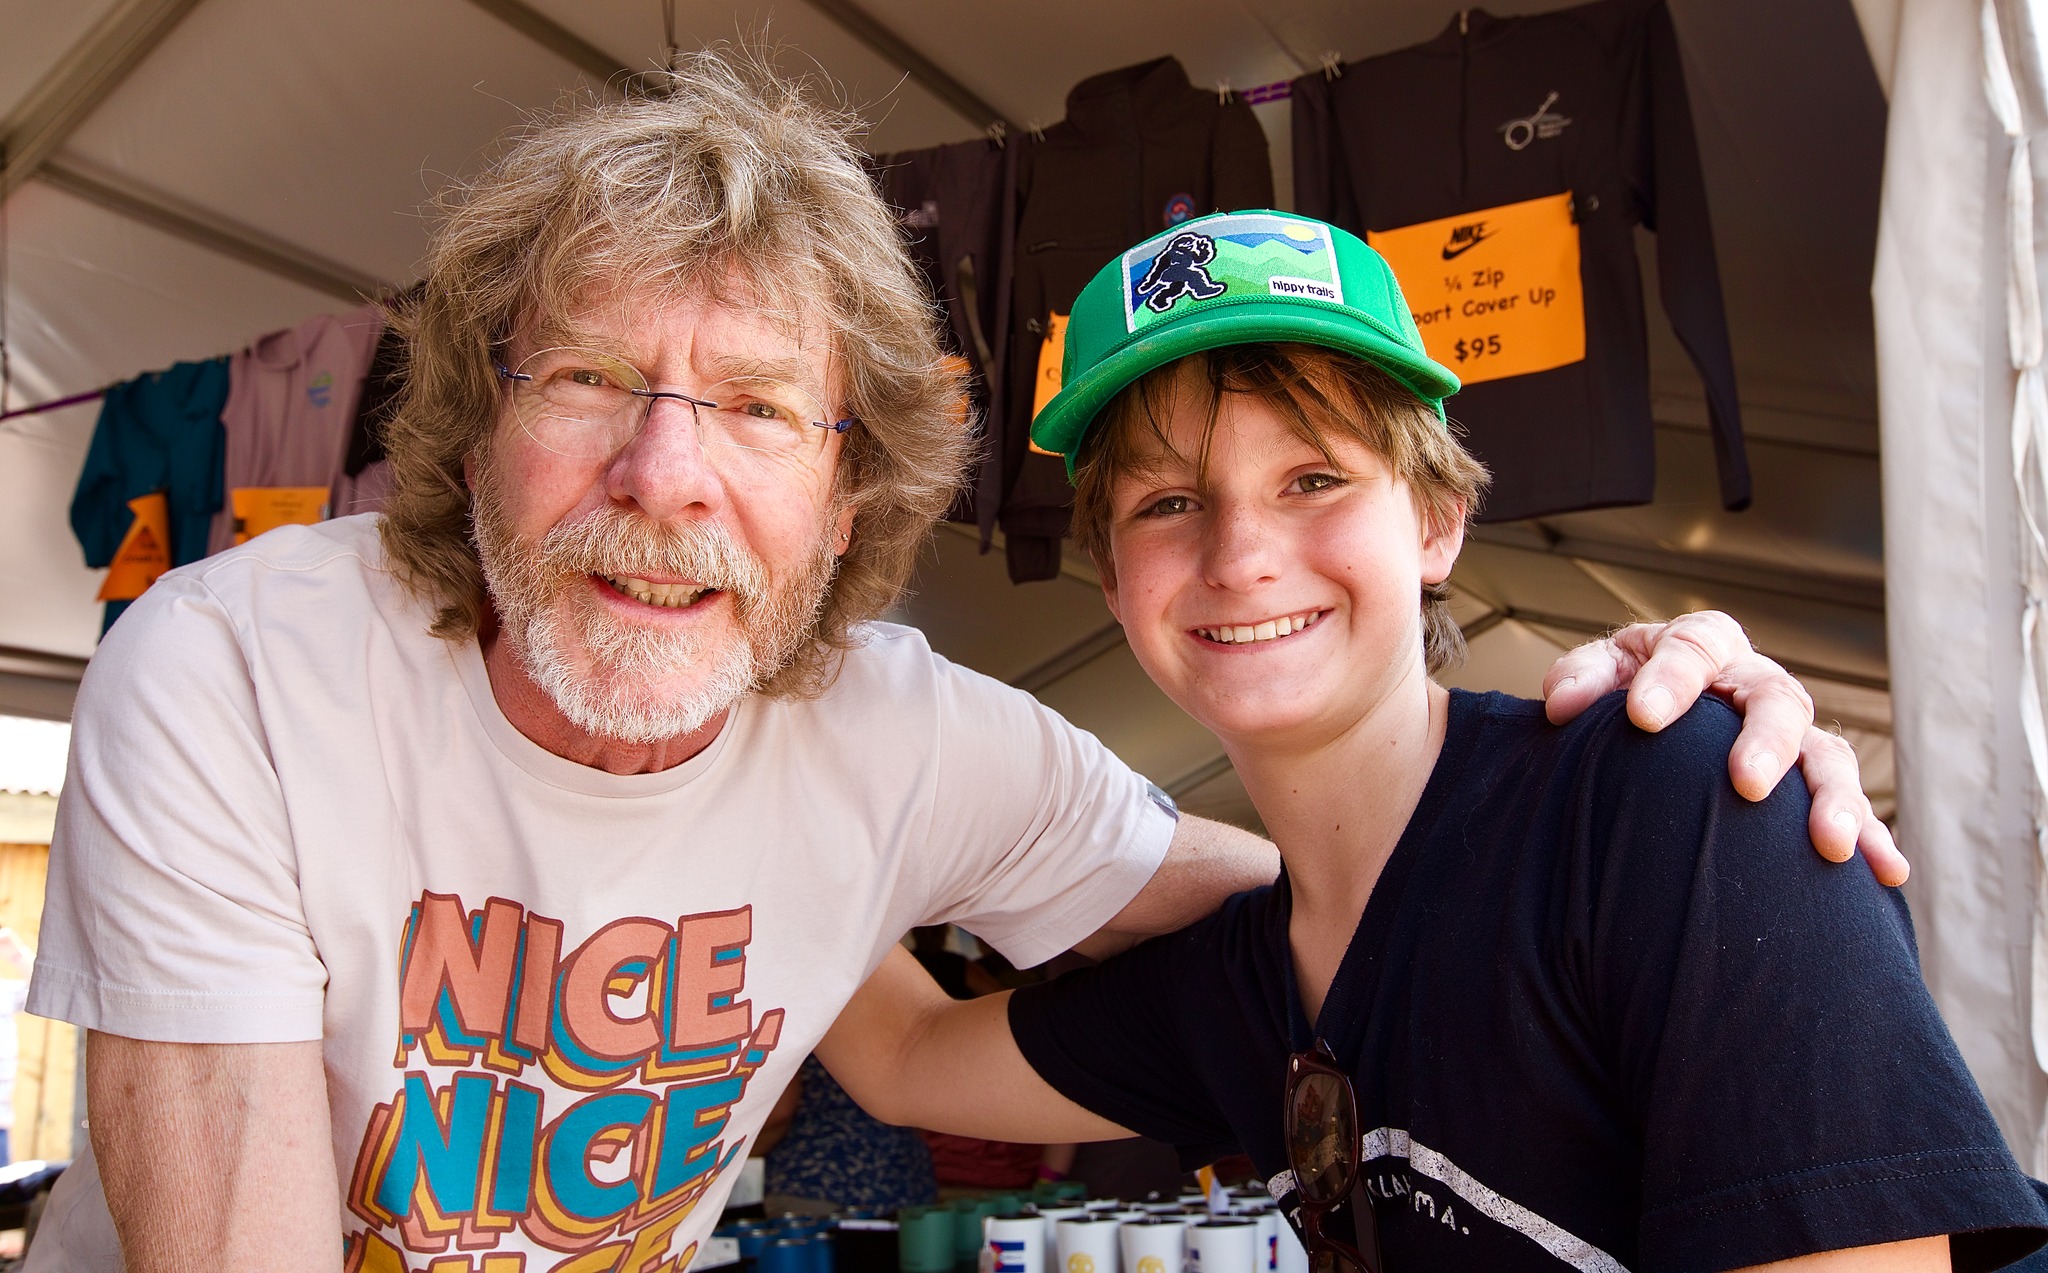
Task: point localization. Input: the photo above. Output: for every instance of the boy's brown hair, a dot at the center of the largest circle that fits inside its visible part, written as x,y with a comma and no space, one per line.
1320,393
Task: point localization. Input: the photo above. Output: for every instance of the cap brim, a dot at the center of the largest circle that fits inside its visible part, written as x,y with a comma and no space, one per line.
1065,420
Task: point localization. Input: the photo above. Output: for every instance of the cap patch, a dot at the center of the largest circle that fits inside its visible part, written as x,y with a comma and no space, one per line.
1245,255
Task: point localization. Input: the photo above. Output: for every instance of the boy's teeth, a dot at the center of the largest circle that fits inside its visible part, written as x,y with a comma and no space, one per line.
669,595
1238,634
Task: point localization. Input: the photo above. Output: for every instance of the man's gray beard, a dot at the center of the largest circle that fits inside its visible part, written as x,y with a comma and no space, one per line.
546,620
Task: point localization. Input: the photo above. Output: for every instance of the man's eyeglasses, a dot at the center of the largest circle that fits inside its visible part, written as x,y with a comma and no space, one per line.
588,404
1321,1127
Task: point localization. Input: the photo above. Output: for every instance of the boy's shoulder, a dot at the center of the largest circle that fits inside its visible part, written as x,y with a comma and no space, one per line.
1504,734
1600,804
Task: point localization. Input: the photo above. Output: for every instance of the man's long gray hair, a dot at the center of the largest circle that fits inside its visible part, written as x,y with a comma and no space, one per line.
726,177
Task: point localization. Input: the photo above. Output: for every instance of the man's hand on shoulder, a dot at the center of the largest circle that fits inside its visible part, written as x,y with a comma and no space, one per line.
1666,667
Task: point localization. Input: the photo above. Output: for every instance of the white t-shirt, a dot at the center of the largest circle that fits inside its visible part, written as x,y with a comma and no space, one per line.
556,1003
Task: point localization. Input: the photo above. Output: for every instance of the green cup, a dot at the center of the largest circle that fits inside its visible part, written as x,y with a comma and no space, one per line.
968,1213
925,1240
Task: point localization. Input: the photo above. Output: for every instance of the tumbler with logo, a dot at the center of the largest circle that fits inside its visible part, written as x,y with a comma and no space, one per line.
1086,1244
1156,1244
1013,1244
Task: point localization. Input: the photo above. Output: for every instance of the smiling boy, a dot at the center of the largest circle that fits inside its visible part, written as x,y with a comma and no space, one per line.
1529,998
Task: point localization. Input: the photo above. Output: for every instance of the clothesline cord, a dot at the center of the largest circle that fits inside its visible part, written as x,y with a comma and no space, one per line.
40,407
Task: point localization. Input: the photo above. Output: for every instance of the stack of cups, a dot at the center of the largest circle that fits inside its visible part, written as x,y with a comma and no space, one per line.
1086,1244
1223,1244
1013,1244
1156,1244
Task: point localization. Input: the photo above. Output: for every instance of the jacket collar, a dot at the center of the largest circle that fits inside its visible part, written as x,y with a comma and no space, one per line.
1148,91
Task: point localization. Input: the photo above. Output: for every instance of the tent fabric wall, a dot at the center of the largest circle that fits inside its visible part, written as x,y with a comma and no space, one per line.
1952,539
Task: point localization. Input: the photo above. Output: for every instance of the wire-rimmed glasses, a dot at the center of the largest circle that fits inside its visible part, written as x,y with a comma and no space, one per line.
1324,1151
588,404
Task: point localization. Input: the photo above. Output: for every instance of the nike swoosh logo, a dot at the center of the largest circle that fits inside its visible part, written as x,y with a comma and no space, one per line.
1453,253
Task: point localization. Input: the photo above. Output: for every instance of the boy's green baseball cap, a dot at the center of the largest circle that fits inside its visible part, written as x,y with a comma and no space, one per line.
1231,278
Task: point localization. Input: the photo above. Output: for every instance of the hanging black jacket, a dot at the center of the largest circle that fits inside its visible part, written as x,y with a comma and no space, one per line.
957,205
1588,101
1140,150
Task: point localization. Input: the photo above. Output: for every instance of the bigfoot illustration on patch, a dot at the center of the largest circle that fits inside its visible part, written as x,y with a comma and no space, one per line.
1178,271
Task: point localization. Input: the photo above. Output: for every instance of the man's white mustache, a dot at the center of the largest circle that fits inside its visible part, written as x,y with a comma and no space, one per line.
614,542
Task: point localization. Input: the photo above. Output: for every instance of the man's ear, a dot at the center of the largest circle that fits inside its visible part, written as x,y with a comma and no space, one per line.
842,537
1442,540
469,469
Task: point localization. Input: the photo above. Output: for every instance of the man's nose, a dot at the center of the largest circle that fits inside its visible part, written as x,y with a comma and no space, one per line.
665,469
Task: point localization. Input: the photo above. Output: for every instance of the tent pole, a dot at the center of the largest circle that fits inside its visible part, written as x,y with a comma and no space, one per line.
897,51
559,40
80,81
210,230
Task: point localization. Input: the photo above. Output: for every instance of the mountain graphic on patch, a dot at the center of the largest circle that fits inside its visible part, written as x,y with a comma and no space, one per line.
1218,260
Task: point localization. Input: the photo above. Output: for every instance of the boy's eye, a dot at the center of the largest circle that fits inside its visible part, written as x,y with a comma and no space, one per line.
1166,507
1312,482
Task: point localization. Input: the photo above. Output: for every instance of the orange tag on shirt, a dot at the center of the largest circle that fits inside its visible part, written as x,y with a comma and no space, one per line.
145,551
1052,356
1496,293
261,508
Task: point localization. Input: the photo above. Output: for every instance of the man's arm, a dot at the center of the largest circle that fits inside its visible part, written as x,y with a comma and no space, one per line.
909,1054
215,1156
1205,863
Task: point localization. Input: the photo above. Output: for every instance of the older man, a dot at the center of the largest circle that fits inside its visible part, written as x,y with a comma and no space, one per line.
456,891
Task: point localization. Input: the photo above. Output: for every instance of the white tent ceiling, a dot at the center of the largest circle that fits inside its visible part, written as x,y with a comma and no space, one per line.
263,155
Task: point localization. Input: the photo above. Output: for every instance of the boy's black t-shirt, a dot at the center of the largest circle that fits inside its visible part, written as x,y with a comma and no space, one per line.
1601,1013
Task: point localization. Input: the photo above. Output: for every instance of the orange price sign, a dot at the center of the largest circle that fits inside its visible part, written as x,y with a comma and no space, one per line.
1496,293
145,551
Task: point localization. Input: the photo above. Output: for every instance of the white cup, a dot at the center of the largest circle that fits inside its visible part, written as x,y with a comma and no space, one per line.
1156,1244
1268,1222
1086,1245
1050,1217
1224,1245
1014,1244
1291,1257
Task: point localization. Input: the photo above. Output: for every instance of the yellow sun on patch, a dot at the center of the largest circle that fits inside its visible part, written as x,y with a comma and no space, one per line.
1300,233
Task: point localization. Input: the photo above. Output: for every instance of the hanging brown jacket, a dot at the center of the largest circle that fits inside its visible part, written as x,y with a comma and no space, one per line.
1141,149
957,206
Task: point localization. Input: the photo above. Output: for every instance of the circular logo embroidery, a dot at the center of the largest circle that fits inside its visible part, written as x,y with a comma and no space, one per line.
1178,209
